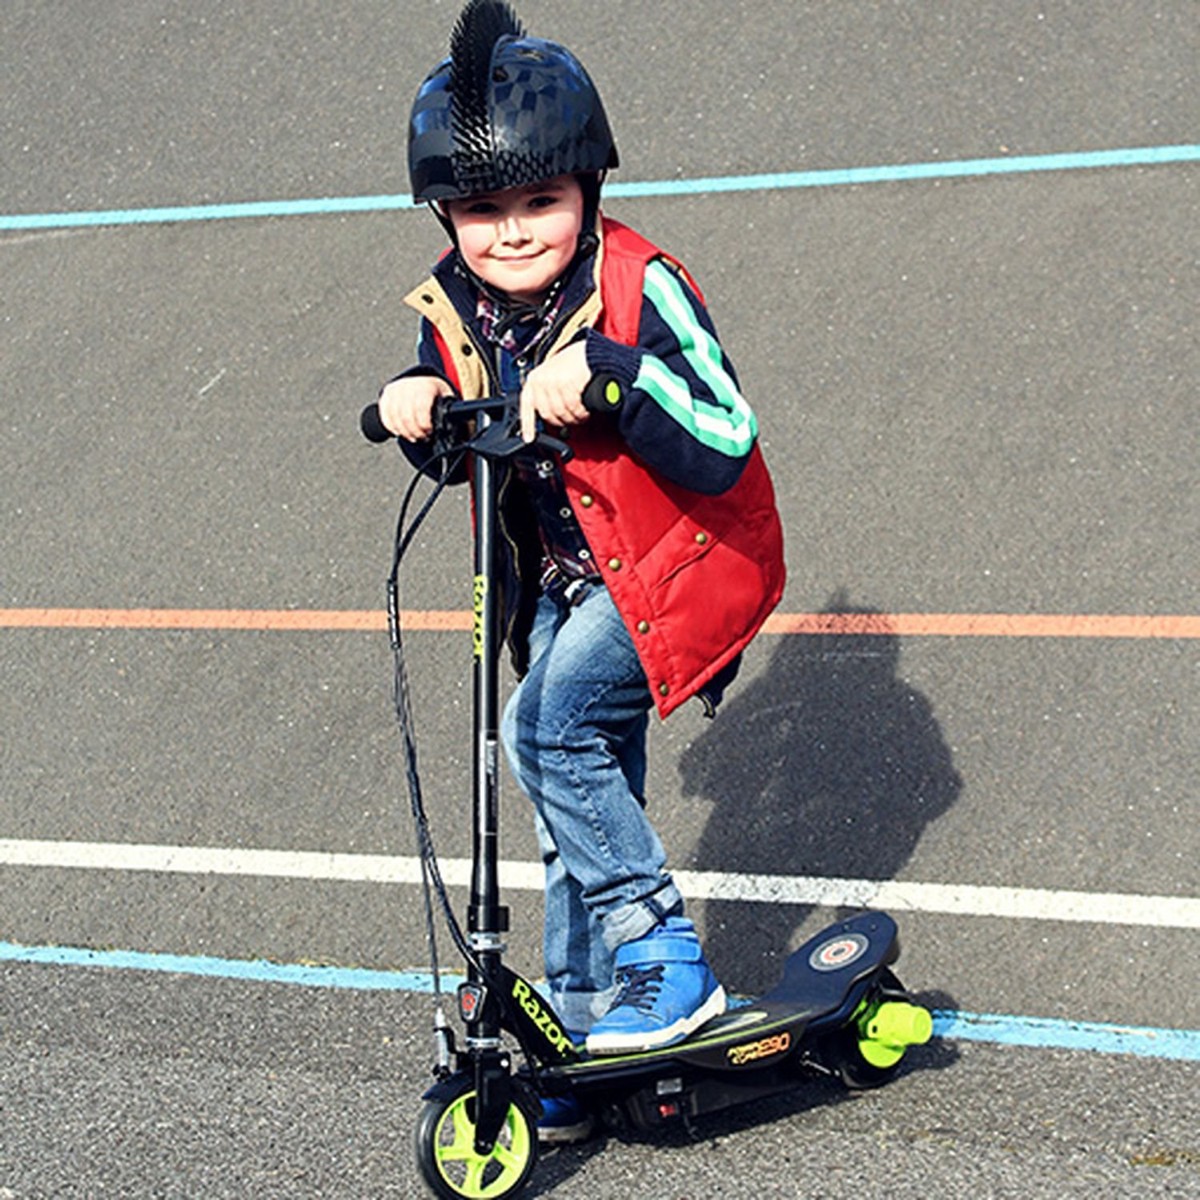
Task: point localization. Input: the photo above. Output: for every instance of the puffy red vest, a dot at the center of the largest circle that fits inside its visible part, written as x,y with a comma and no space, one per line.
693,576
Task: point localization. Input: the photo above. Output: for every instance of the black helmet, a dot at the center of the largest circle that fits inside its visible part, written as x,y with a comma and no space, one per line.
505,109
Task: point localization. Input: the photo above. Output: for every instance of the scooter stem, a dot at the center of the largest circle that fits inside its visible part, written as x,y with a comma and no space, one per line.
487,919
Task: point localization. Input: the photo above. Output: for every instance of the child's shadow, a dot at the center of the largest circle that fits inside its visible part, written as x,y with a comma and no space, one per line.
826,765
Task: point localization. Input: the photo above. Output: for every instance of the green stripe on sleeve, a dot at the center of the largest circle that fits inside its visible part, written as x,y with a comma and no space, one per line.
726,423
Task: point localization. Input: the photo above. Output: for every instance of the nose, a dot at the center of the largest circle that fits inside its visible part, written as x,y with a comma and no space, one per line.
511,230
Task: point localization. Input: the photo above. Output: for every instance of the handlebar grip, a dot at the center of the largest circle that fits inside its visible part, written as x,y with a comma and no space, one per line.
373,428
603,394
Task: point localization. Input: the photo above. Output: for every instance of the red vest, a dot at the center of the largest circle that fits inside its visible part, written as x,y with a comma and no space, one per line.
693,576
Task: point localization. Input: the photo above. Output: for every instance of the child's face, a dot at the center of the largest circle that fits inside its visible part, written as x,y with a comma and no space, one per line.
521,239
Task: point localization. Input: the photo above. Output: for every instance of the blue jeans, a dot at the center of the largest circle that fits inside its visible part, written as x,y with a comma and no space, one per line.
575,733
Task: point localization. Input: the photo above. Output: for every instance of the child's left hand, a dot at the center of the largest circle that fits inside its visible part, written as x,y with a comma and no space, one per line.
554,391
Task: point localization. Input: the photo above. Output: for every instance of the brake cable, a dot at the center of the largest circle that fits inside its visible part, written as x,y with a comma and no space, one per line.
432,883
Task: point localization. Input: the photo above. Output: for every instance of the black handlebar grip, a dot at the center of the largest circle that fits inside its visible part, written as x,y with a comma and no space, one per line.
373,428
603,394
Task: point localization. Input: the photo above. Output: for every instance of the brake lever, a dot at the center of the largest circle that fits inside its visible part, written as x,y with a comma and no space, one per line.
498,442
555,445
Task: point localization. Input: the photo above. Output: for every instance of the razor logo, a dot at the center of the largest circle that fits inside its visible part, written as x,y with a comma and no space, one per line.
766,1047
478,595
541,1017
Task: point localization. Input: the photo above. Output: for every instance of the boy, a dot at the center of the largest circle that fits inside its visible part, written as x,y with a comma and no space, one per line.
639,569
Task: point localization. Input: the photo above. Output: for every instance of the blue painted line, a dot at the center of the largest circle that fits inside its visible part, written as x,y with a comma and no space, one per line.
256,970
1045,1033
840,177
1036,1032
205,212
954,169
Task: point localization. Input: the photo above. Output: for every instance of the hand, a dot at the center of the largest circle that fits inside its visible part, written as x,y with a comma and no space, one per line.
406,405
554,391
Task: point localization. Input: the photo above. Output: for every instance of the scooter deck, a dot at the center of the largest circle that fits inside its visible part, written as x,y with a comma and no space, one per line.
818,983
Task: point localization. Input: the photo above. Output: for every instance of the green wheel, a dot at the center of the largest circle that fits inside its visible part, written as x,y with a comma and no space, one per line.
867,1052
446,1155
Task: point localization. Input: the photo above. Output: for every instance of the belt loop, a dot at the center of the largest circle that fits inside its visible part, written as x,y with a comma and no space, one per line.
574,591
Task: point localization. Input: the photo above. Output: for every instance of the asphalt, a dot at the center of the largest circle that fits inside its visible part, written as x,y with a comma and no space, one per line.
976,396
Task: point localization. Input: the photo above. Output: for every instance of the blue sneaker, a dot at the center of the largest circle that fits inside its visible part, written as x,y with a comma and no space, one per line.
563,1120
667,991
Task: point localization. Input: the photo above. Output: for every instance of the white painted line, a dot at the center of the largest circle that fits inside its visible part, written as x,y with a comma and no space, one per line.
1038,904
214,860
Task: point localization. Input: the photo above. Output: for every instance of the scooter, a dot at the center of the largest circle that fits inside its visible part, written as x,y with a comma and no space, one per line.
838,1010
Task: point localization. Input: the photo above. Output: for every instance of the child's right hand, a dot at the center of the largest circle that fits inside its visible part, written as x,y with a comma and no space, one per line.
406,405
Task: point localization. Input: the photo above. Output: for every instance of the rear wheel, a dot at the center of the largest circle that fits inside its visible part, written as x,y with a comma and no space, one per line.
446,1154
868,1050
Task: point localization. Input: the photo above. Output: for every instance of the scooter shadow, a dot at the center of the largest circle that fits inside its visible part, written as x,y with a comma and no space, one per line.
828,764
558,1165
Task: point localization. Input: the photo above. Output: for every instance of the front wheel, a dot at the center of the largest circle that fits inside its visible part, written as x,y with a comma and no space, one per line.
446,1154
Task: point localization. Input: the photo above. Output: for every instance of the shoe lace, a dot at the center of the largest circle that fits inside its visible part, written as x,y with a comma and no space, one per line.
639,987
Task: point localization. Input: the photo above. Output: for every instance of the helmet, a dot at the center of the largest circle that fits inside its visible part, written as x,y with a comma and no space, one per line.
505,109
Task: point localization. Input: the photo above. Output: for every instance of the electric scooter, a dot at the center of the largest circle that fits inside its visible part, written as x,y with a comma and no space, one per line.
838,1009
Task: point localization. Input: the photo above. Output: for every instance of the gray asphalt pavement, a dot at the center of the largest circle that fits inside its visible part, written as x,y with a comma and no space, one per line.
977,395
170,1087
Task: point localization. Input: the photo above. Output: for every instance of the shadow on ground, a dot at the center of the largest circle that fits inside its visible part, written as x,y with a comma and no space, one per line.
828,764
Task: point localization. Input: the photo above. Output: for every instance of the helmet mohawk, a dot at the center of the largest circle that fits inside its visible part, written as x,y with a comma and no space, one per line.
479,28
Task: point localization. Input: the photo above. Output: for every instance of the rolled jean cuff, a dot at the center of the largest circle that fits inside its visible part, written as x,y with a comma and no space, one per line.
635,920
579,1011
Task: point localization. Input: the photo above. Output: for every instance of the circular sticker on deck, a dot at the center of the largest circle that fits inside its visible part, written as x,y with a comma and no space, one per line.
838,952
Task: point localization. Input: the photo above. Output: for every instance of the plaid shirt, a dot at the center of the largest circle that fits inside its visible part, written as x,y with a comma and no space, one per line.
566,557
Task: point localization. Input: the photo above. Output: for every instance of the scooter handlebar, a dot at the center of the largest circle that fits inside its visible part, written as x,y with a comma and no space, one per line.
602,394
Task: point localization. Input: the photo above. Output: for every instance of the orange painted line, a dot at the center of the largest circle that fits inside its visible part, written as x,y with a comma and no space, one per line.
254,620
995,625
